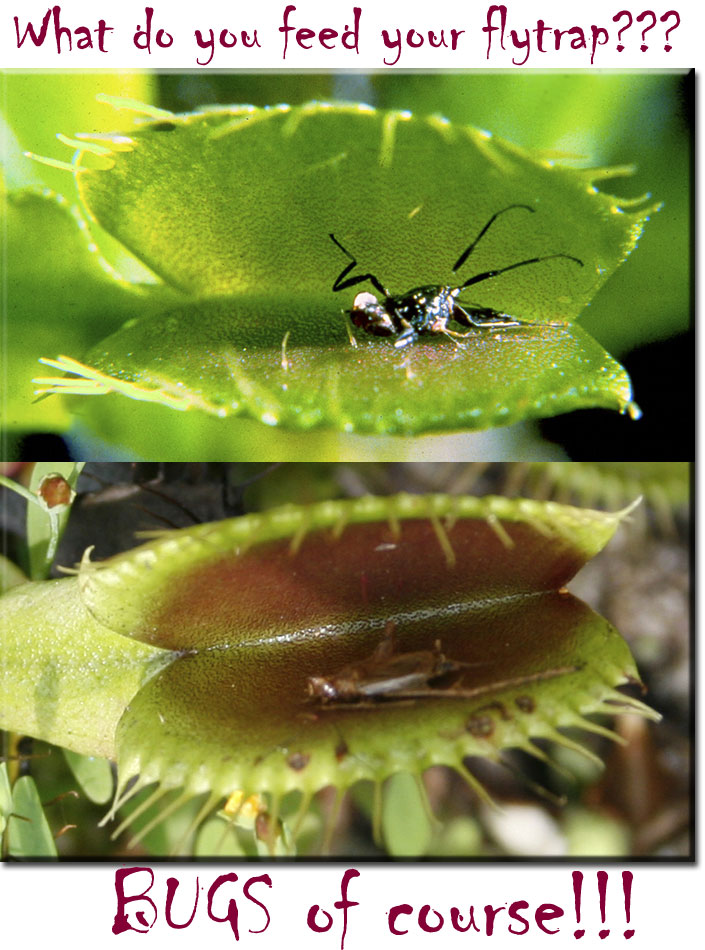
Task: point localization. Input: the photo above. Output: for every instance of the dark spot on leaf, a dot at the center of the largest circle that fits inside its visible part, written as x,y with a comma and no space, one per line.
262,826
480,726
162,127
298,761
55,490
341,750
525,704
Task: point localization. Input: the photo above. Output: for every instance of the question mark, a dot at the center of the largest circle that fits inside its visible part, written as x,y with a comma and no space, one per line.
616,19
667,47
640,19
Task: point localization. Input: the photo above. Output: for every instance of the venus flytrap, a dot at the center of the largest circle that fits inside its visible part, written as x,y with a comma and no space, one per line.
203,643
255,330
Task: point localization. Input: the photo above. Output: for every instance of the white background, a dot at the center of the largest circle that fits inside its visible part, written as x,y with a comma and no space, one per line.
75,905
181,21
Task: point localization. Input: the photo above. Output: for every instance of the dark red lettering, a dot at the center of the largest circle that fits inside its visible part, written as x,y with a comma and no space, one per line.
231,915
395,912
121,923
548,912
172,884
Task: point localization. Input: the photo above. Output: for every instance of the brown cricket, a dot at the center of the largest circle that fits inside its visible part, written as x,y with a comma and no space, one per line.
387,676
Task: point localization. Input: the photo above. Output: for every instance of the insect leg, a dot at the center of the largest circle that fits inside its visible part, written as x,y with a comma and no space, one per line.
472,692
351,335
341,283
483,317
455,336
468,250
386,646
408,335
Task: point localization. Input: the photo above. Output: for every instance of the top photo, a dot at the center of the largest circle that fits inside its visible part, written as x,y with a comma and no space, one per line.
480,266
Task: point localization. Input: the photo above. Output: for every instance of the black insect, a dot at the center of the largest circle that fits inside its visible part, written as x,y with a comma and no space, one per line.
429,309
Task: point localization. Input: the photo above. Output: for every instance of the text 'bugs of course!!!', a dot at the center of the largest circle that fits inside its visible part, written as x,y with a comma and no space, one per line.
429,309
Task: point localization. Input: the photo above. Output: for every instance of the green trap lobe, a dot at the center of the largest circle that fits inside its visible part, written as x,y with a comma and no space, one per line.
293,570
240,198
242,718
290,363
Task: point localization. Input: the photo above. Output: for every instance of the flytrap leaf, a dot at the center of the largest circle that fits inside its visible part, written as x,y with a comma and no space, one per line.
258,609
58,290
228,358
65,677
239,204
243,198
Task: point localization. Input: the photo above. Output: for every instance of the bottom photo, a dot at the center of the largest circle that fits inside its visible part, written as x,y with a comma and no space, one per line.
472,661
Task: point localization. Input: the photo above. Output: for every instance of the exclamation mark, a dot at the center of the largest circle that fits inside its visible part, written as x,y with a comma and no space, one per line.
577,891
602,891
627,887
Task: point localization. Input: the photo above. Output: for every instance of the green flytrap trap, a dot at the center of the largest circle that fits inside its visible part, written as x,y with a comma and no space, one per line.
231,211
250,663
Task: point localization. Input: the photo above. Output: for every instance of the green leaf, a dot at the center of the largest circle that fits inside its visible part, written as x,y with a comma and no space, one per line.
251,727
216,839
405,821
94,775
46,524
480,575
37,105
592,117
193,573
5,798
228,358
29,833
595,835
10,575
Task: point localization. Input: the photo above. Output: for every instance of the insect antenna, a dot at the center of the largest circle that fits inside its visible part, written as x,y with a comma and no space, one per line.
468,250
341,282
470,693
502,270
486,275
